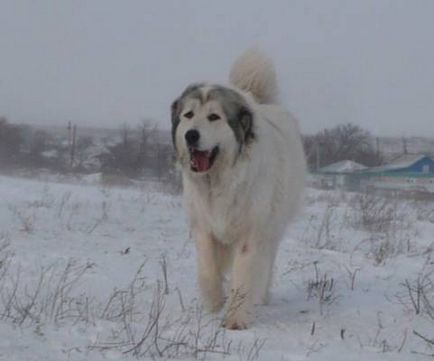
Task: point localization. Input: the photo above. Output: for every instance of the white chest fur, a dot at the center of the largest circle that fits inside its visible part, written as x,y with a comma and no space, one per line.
218,208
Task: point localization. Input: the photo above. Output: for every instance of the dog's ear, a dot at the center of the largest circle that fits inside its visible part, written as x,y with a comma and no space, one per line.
174,109
245,117
193,90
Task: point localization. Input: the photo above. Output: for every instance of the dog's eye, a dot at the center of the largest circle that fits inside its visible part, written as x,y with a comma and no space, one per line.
189,115
213,117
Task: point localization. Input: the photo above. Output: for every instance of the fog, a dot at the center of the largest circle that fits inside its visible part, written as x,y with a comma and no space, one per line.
109,62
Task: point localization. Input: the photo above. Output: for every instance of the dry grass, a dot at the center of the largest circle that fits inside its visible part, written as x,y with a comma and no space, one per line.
137,317
323,288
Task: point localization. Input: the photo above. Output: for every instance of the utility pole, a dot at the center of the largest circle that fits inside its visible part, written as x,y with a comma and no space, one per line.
69,127
404,145
158,156
72,143
377,142
318,161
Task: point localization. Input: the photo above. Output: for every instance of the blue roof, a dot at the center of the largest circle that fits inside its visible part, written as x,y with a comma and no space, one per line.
402,162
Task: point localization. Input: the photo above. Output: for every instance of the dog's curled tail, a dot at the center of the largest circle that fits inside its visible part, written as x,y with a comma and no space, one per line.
254,73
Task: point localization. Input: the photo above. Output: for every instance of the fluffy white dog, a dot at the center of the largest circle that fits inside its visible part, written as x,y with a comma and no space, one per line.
243,169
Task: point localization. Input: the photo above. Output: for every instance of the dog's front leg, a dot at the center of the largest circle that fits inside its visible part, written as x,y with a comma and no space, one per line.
242,291
210,270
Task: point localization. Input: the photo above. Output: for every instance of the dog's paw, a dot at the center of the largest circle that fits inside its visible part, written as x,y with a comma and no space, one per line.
235,321
235,324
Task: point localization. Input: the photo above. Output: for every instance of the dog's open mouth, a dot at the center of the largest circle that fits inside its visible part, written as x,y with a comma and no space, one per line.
202,160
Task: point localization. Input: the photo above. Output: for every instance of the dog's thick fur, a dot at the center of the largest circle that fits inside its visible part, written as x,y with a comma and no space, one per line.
243,180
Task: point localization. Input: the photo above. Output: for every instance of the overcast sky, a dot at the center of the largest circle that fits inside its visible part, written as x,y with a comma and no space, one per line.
109,62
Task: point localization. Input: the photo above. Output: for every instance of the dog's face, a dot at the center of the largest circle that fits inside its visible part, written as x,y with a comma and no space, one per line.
210,127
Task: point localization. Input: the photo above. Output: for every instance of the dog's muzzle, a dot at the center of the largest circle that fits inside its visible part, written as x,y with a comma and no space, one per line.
202,160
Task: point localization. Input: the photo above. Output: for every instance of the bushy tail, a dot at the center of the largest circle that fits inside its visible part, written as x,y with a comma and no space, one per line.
253,72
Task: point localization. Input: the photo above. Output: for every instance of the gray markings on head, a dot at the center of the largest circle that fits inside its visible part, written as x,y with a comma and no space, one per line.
192,91
239,116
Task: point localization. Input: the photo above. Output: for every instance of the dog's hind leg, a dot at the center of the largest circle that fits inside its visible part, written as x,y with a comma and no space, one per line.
265,276
210,256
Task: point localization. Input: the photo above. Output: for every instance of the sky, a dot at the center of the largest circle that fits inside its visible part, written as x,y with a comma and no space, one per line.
109,62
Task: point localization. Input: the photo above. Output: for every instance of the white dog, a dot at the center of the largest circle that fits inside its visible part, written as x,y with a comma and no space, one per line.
243,174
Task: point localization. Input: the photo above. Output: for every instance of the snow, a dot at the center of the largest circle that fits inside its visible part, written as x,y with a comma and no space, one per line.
344,166
82,274
53,153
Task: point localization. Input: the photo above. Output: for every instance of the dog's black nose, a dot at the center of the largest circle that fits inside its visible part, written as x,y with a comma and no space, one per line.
192,137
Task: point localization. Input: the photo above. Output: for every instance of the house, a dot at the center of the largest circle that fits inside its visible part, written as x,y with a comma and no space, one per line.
407,164
408,172
337,175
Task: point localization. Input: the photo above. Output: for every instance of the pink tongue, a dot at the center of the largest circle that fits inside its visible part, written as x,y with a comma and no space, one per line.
201,161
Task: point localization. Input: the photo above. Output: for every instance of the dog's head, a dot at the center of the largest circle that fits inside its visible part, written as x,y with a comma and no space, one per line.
211,125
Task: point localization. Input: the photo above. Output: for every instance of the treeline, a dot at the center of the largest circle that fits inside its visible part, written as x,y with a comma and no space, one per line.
20,145
132,152
138,152
343,142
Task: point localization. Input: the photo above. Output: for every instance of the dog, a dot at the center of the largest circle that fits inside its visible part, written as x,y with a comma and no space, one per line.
243,172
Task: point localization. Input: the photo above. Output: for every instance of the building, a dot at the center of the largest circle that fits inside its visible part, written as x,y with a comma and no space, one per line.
408,172
337,175
412,173
407,164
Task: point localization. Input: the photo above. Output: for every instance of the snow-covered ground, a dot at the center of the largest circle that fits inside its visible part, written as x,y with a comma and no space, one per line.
93,273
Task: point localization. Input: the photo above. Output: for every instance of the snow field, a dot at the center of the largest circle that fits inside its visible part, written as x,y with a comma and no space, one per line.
94,273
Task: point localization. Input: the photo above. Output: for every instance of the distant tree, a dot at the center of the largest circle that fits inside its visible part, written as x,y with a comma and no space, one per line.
11,141
140,152
83,143
146,132
343,142
39,143
122,157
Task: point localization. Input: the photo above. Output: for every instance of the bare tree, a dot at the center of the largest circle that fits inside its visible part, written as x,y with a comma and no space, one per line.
137,152
147,133
342,142
10,141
